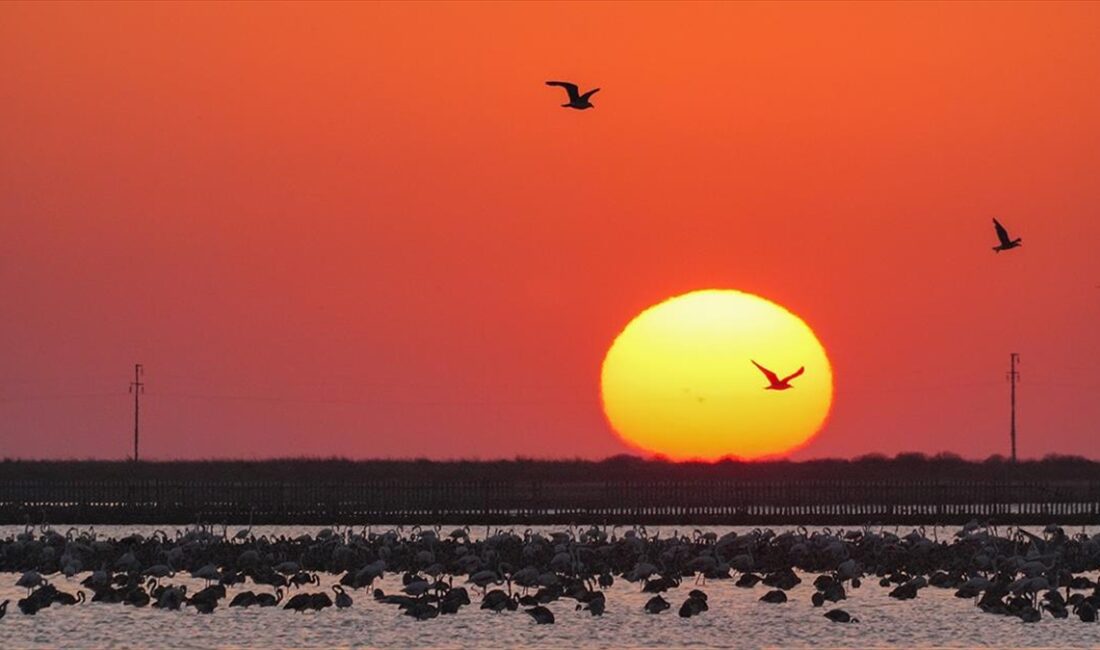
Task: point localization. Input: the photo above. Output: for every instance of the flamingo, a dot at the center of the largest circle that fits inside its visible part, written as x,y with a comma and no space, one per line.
30,580
243,599
656,605
319,601
542,615
453,600
343,600
299,602
208,573
64,598
840,616
270,600
696,603
774,596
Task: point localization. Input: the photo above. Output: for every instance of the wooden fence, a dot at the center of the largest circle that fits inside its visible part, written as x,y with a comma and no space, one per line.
539,502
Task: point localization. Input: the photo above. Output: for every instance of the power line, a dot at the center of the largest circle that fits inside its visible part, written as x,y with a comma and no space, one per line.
39,398
1013,378
137,387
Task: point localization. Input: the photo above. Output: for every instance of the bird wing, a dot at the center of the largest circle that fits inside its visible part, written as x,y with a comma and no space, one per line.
590,93
772,377
794,374
571,88
1002,234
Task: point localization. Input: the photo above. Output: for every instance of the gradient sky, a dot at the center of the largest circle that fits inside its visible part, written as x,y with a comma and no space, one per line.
369,230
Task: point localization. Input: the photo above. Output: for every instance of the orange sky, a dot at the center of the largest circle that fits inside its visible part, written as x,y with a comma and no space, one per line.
369,230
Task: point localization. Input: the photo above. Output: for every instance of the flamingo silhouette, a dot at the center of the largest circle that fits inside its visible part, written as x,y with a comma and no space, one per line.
343,600
775,381
1002,235
576,99
541,614
840,616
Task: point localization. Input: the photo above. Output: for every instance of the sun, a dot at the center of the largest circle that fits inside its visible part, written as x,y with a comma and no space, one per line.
679,380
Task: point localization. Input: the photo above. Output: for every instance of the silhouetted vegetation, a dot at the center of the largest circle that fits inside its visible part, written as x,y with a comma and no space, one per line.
903,467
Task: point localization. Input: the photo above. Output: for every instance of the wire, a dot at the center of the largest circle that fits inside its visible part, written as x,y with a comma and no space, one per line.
353,402
39,398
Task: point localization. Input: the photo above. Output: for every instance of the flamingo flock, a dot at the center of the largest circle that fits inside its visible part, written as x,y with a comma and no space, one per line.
1015,573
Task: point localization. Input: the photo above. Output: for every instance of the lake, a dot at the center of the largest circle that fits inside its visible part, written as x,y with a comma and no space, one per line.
736,619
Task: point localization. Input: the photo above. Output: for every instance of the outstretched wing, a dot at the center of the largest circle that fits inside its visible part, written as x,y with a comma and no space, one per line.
571,88
772,377
1002,234
590,93
794,374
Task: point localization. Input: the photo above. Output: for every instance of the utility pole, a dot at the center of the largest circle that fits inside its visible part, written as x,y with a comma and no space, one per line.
1013,378
137,387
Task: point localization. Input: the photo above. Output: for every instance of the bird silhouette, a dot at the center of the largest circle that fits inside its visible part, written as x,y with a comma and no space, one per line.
542,615
1002,235
576,99
775,381
840,616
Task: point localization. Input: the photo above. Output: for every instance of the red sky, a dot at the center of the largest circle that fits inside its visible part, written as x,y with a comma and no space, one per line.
369,230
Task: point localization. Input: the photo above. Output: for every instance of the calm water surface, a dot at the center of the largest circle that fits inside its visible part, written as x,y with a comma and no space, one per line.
736,619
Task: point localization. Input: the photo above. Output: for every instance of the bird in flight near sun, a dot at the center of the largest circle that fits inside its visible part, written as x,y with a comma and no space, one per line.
775,381
675,382
576,100
1002,235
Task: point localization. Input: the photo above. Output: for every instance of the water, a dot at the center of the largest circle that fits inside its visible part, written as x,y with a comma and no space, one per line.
736,619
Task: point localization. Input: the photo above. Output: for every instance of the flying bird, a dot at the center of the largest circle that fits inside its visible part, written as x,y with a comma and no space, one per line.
576,99
1002,235
775,381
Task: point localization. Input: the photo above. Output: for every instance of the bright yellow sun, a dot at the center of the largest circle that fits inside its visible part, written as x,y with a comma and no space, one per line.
679,380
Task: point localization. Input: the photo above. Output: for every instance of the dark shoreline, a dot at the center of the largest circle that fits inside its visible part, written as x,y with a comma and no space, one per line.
904,467
909,489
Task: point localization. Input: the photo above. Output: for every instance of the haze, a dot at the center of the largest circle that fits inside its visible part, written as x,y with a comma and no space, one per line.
371,231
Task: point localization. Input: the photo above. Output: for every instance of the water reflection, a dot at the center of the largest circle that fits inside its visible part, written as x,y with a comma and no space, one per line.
736,618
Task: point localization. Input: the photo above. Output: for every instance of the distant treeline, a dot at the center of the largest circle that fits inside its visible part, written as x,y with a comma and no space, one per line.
904,467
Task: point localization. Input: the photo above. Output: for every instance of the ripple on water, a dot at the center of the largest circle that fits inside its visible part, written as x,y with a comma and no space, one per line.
736,619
